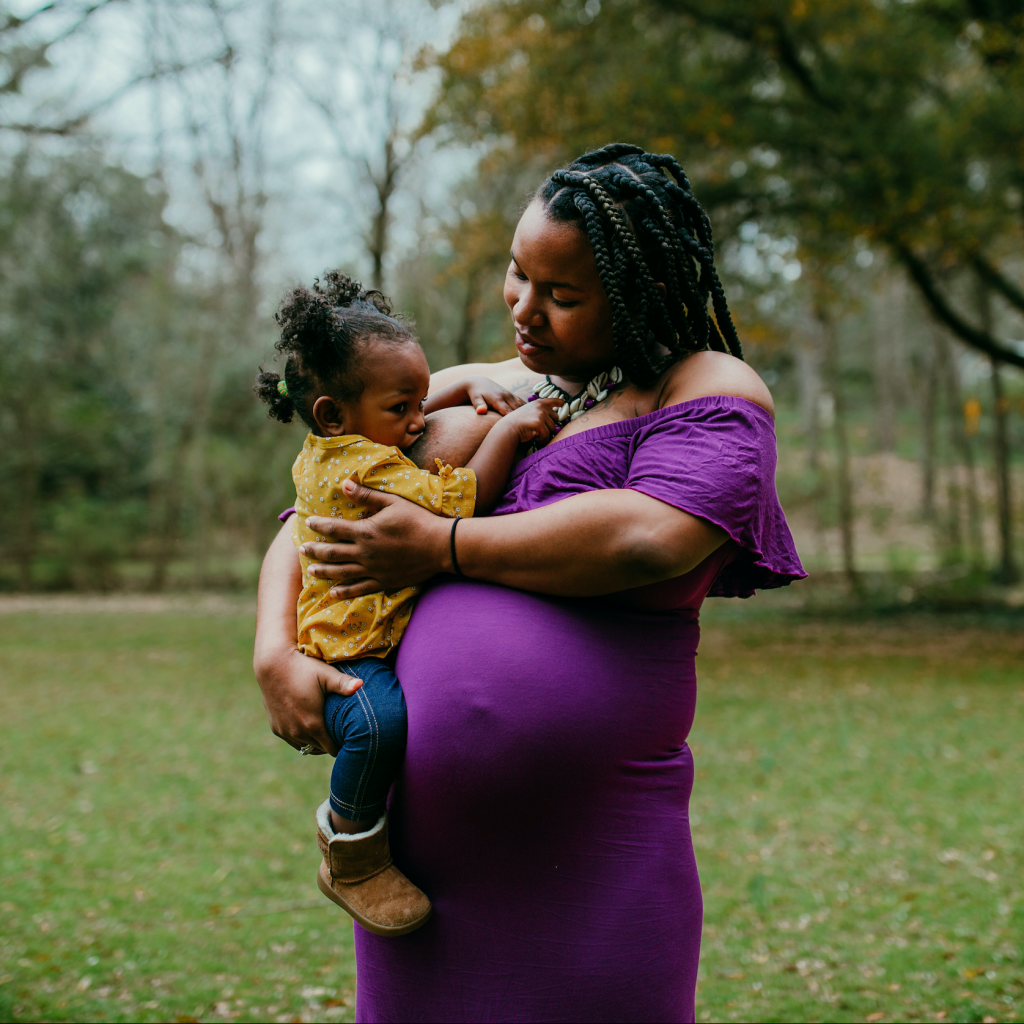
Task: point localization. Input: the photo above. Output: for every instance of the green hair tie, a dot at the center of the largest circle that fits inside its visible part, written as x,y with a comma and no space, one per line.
282,388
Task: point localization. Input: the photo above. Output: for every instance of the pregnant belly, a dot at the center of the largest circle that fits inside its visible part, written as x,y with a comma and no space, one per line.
532,718
543,808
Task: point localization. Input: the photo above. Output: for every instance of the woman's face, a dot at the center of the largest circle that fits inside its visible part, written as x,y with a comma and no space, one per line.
561,314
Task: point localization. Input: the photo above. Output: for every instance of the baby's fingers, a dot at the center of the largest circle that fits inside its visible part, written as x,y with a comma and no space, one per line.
510,402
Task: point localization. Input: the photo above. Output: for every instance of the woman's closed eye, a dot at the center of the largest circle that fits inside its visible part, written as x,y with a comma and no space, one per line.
564,303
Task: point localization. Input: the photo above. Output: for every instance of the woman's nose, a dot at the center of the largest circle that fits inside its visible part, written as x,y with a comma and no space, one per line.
527,310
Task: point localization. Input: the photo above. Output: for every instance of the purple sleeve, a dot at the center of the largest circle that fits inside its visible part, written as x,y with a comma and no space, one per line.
716,460
286,514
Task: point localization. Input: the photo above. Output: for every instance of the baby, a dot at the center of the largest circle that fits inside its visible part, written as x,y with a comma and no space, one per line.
358,379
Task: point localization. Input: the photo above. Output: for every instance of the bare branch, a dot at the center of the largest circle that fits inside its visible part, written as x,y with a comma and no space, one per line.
973,336
994,278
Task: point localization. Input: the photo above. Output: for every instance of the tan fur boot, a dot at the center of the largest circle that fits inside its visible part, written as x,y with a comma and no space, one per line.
358,874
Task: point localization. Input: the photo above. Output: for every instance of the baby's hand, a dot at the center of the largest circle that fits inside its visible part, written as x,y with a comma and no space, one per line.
484,394
534,420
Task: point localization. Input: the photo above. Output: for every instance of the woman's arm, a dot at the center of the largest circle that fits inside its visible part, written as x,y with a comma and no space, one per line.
293,686
593,543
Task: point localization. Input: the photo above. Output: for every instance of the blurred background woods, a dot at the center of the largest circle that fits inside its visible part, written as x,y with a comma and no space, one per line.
166,169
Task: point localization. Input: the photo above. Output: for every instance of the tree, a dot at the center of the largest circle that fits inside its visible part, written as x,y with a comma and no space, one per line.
371,102
894,123
77,238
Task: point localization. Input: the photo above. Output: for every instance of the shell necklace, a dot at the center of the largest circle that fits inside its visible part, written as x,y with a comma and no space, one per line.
574,406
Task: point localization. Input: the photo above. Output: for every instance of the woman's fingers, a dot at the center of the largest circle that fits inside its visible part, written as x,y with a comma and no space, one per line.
317,734
356,588
332,561
345,531
342,684
346,572
374,500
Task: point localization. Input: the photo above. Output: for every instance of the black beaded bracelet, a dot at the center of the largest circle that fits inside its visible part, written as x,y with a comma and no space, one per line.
451,544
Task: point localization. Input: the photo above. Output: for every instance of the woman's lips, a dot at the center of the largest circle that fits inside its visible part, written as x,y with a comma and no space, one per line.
528,347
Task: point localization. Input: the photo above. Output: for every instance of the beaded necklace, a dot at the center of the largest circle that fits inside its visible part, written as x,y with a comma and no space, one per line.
573,406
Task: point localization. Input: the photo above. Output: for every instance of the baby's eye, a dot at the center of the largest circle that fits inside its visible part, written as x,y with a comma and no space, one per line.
399,409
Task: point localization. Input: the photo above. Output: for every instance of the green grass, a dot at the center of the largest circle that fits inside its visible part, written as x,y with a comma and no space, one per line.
858,821
158,853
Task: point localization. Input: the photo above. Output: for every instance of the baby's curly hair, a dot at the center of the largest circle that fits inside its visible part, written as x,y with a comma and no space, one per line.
322,331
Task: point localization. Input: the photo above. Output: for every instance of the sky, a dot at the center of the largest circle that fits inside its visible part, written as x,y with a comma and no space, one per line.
284,96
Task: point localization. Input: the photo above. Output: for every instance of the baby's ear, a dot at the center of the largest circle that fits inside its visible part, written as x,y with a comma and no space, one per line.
328,417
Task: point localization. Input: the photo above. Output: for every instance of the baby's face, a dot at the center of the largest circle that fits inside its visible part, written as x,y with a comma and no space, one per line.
390,409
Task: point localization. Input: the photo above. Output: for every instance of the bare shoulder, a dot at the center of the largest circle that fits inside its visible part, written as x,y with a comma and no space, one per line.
509,373
714,373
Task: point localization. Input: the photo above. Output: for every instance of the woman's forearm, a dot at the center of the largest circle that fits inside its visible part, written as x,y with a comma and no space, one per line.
589,544
293,685
593,543
280,584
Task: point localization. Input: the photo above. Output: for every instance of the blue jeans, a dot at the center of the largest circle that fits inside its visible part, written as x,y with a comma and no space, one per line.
369,728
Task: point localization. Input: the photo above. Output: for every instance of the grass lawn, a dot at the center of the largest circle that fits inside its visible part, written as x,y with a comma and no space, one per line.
858,820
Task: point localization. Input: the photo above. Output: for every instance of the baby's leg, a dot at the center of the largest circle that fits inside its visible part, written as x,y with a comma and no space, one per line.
370,730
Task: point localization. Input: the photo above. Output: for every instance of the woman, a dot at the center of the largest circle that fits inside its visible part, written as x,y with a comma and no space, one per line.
551,687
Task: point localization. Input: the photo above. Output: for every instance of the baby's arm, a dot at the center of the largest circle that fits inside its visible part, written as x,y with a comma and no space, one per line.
497,452
480,392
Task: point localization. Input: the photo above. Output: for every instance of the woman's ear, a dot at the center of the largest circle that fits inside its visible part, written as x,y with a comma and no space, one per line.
327,416
661,288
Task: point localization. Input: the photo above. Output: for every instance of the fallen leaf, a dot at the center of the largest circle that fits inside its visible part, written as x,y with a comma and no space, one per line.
874,1016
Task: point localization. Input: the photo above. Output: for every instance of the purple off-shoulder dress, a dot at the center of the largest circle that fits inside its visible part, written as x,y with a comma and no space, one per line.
543,801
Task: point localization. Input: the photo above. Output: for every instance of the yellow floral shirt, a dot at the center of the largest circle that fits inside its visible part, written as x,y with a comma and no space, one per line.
331,628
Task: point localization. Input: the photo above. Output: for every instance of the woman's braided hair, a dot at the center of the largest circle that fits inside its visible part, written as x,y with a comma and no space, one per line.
646,228
322,331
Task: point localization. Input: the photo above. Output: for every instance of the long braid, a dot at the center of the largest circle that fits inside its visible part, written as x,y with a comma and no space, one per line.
721,307
654,249
613,269
650,295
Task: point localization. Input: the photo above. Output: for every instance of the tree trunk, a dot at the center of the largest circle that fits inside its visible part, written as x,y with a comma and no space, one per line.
809,380
467,325
1007,572
844,483
167,511
954,512
960,443
928,404
889,323
26,547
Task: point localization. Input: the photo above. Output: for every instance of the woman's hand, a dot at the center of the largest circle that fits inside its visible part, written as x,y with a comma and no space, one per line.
398,545
294,688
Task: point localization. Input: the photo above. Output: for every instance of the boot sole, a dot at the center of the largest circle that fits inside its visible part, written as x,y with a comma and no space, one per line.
325,887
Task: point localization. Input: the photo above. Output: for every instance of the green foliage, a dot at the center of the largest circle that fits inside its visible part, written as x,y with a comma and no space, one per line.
895,123
128,430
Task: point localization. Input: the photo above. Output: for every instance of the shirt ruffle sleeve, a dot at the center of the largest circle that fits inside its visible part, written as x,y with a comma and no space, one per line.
716,460
449,492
